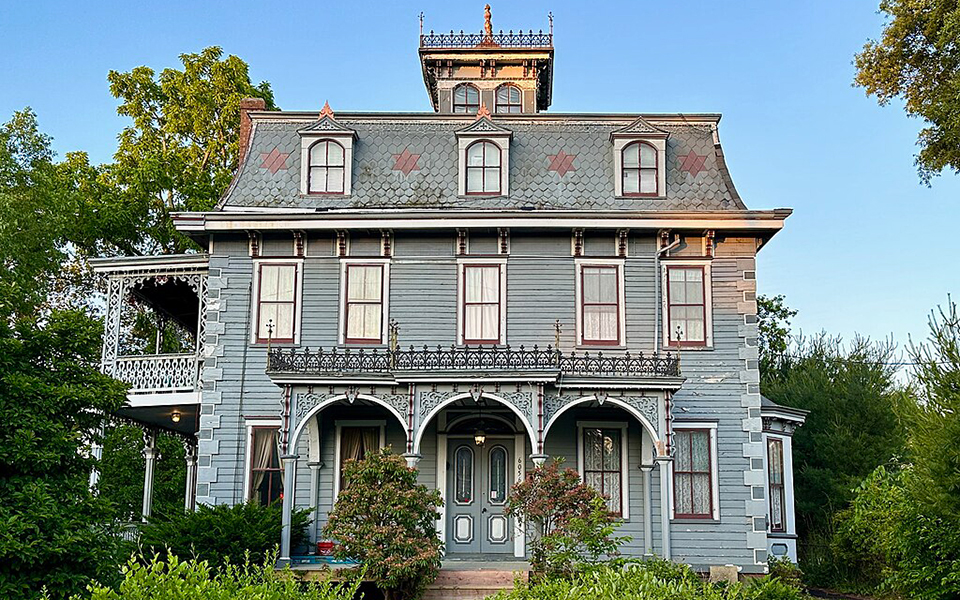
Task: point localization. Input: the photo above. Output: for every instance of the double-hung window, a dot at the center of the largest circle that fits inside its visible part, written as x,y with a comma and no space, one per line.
775,480
363,306
327,169
602,464
483,168
640,169
687,305
693,474
601,304
266,475
482,303
277,296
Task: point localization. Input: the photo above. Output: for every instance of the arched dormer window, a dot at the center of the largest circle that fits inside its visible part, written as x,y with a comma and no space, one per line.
639,169
508,99
483,162
466,99
326,174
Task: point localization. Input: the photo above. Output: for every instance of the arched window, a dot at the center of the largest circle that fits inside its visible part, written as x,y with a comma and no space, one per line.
463,475
639,169
498,475
326,168
508,99
466,99
483,168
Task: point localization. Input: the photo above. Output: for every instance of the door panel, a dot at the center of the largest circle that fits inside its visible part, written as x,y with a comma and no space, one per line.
464,509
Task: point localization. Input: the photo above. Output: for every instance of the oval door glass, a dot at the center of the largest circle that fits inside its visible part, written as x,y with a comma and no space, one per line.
463,475
498,475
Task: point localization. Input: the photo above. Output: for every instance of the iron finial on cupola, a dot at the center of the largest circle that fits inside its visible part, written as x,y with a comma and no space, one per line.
483,111
326,111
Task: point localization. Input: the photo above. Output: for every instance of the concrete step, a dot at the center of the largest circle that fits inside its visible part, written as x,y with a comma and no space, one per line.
470,585
442,593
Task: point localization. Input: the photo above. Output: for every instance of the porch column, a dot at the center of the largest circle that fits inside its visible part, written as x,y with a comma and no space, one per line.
413,459
539,459
289,472
315,467
150,460
663,463
190,494
647,511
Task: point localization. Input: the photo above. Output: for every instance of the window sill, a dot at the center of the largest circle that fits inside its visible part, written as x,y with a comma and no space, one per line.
275,343
671,348
361,345
587,347
781,536
694,521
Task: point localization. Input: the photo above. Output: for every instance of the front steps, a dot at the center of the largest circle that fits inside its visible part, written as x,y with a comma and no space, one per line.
465,583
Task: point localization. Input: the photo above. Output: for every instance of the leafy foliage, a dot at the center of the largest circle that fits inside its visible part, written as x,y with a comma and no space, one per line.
176,579
221,534
385,520
773,320
917,59
568,521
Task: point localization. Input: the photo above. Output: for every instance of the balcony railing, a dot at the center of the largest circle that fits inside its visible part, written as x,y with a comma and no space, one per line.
337,361
158,373
521,39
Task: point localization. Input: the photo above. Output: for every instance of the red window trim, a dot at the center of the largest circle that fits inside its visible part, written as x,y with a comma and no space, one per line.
703,283
709,514
779,487
463,282
260,302
624,168
250,470
508,103
470,109
619,471
583,304
311,166
347,302
483,170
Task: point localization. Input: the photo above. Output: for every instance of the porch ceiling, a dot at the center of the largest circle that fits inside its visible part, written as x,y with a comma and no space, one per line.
160,417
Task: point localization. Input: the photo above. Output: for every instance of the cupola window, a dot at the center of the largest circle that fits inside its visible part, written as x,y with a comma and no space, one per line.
508,100
466,99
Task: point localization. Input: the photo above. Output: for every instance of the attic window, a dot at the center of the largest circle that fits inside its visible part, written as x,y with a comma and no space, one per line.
639,170
483,168
466,99
326,168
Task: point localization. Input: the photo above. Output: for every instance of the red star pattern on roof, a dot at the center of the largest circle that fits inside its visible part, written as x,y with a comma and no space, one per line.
274,161
562,163
693,163
405,162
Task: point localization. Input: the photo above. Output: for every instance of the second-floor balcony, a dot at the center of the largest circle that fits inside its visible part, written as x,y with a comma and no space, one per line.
471,361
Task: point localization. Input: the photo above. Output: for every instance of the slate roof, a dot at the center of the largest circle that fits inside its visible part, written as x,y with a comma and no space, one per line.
267,181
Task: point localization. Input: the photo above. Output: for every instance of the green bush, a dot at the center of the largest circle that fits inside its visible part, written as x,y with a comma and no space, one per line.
175,579
222,533
387,521
785,570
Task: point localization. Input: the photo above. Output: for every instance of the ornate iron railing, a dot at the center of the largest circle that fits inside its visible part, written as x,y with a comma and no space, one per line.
521,39
335,361
158,373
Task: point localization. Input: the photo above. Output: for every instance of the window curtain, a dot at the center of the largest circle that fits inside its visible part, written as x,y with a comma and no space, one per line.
355,442
265,442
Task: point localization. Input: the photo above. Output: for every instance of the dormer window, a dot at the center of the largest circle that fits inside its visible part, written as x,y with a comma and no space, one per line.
466,99
639,169
508,100
326,168
483,168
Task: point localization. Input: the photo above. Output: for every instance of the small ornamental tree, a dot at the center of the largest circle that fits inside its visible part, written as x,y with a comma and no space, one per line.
568,521
386,521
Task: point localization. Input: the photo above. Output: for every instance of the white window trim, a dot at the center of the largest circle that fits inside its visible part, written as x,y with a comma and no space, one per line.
622,317
707,299
624,454
255,290
499,139
711,427
463,262
659,144
789,514
309,139
342,321
252,422
338,426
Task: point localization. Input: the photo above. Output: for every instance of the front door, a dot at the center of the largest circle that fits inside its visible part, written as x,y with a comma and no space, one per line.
479,480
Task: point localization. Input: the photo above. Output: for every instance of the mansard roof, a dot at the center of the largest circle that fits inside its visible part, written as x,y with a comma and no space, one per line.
409,160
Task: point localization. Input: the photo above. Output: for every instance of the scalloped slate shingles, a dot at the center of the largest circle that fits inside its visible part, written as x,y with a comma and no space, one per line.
434,184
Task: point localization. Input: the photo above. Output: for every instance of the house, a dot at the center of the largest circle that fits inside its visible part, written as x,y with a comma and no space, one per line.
481,288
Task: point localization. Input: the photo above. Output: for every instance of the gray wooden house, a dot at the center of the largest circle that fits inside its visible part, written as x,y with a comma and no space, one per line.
480,288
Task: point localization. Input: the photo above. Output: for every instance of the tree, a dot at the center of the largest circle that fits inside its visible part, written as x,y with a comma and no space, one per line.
918,59
182,148
387,521
773,319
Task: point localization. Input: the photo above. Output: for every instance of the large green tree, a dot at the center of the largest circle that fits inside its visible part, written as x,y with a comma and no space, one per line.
917,59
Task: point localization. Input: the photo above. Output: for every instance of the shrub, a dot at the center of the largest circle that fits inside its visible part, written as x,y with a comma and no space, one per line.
385,520
174,579
568,522
220,534
786,571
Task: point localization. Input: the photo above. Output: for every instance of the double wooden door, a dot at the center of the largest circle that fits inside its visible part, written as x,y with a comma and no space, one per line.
478,481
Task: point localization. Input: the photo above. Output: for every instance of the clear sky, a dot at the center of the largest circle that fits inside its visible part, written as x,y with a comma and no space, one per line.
868,249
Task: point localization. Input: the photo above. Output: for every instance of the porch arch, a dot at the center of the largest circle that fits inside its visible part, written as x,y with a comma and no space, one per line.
644,422
422,427
302,424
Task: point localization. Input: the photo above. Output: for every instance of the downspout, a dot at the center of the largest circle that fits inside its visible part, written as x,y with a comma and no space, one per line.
656,288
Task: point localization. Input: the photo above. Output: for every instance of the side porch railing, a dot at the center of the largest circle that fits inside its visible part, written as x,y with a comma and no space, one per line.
158,372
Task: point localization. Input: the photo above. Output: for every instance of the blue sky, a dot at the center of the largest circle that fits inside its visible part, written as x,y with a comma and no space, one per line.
868,249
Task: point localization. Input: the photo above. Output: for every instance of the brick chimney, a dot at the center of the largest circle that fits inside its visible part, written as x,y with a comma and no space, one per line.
246,105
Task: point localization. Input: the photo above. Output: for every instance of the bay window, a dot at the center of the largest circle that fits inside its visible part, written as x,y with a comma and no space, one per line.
776,482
